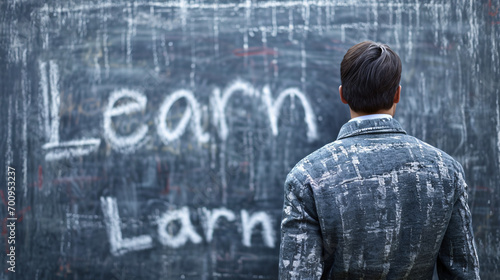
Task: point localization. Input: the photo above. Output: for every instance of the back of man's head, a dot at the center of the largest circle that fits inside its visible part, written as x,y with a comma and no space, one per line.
370,73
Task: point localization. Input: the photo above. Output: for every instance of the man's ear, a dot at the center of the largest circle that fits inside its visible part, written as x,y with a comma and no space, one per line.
341,95
397,96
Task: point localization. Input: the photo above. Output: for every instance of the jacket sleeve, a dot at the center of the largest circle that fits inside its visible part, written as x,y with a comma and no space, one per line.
301,242
457,257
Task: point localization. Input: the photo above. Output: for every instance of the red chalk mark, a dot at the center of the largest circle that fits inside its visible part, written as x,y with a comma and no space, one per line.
492,11
447,47
484,189
40,177
335,45
163,174
171,188
64,270
3,197
254,51
26,209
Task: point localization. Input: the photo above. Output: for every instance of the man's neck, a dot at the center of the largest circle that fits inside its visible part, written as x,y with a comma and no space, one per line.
390,112
371,117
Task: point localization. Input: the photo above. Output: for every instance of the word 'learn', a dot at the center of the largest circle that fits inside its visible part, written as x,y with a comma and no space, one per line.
219,99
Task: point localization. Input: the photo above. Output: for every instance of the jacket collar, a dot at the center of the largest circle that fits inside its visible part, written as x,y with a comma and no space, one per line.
382,125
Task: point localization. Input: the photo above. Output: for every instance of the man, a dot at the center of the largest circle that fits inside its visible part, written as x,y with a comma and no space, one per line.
376,203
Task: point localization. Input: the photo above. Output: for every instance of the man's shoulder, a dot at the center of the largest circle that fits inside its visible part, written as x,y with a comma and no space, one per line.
313,164
342,151
434,151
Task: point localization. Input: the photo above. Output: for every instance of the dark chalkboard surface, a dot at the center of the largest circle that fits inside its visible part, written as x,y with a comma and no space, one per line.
151,139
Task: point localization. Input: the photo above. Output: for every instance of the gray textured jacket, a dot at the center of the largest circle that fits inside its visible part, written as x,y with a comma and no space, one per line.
377,204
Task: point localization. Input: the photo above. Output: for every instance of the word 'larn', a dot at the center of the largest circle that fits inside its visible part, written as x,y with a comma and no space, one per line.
187,232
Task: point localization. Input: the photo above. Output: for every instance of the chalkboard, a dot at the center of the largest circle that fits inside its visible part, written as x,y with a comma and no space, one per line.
151,139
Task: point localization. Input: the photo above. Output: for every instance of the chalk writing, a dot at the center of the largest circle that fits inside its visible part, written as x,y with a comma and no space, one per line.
178,237
193,110
185,233
211,219
137,101
249,222
273,106
136,139
120,245
55,149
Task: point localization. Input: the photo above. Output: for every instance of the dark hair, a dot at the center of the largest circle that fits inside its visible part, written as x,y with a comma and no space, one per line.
370,73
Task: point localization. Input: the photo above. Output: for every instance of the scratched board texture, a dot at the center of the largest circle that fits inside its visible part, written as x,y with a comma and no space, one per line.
151,139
